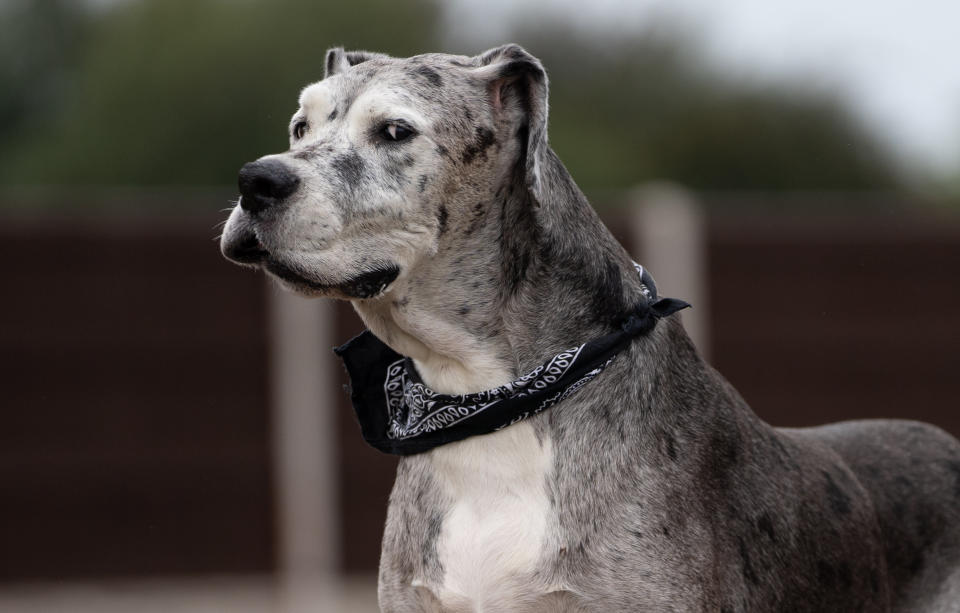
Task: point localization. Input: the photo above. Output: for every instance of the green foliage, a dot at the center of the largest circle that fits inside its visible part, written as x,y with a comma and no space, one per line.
33,76
184,91
645,108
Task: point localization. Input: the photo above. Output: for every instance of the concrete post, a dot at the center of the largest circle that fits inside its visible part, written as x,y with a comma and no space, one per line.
304,442
671,231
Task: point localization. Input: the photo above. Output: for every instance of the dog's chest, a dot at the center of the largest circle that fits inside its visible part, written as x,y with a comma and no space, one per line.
493,535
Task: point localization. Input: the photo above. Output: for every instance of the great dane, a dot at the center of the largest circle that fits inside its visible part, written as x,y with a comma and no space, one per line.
423,190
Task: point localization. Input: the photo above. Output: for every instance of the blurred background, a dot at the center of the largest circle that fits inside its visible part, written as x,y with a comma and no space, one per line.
175,435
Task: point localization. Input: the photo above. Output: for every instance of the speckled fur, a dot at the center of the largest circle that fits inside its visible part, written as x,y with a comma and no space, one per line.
666,492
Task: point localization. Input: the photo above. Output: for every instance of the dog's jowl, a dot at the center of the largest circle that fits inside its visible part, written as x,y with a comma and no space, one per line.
564,447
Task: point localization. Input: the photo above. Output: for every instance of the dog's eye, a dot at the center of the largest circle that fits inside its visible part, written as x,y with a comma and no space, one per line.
396,132
299,129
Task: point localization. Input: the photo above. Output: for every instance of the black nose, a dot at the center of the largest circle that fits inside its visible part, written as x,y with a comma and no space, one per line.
264,183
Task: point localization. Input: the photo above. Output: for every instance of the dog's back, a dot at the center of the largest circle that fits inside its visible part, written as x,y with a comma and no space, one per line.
911,471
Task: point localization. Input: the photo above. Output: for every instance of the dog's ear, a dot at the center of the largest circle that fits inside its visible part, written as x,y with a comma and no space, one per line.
339,60
517,89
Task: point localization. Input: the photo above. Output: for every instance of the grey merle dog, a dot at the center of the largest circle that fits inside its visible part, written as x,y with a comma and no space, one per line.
423,190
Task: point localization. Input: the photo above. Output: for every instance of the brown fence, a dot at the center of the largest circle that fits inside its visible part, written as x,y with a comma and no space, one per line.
134,361
818,320
133,369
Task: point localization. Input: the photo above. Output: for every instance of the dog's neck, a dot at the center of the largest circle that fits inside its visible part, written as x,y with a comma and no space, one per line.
515,280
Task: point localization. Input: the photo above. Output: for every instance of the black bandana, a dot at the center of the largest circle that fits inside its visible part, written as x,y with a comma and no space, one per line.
399,414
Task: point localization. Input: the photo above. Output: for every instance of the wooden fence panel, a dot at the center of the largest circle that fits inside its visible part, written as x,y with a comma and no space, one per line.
823,320
134,400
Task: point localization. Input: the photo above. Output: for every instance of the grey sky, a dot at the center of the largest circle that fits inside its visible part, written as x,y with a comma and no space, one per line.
897,61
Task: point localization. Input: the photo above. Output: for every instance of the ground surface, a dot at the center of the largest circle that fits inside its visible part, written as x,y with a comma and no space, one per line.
253,594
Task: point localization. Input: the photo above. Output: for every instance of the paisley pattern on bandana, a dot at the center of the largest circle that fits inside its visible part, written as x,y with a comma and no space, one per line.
414,409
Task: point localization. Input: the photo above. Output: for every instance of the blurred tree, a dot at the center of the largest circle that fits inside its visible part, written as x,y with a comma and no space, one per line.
184,91
181,92
628,110
37,52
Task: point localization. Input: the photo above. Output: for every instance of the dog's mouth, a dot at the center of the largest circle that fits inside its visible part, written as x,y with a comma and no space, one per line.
248,251
364,285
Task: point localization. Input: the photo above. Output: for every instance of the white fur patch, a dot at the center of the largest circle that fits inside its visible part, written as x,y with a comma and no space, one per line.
493,536
318,100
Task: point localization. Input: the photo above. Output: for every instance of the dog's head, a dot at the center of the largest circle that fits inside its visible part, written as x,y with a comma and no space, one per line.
386,156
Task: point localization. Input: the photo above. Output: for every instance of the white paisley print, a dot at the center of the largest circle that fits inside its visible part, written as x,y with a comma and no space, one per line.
414,409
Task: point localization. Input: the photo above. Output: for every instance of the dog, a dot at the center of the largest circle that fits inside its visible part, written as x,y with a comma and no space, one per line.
424,191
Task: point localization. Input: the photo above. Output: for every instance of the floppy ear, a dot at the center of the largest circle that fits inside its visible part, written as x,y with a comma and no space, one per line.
517,86
339,60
